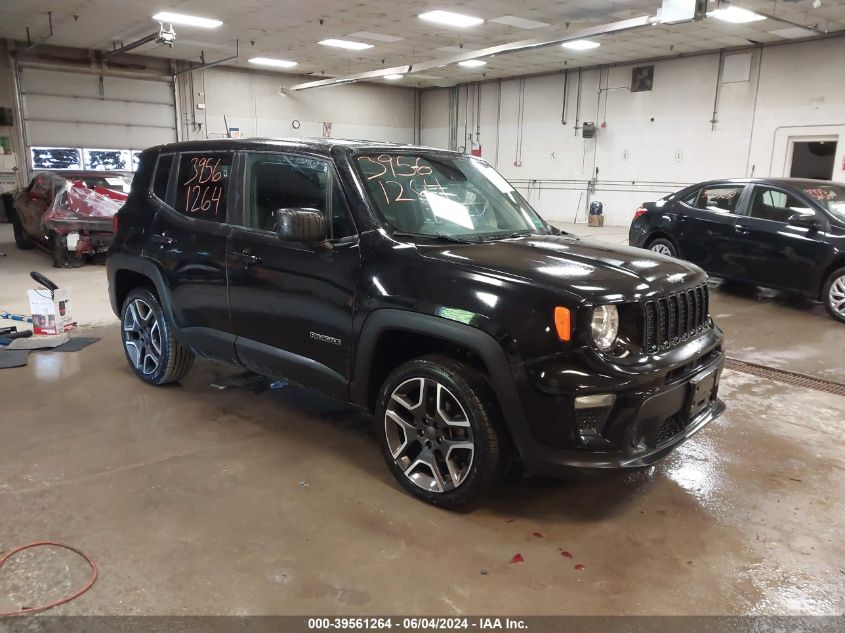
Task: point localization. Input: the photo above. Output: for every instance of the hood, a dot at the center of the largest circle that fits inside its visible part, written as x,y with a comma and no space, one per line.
596,271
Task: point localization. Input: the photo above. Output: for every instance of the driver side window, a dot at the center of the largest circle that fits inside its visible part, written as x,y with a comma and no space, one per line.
772,204
291,181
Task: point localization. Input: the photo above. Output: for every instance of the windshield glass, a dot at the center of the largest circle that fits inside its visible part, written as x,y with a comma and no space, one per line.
830,197
449,196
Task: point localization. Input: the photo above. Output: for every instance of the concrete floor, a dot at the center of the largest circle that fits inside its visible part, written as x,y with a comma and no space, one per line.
221,496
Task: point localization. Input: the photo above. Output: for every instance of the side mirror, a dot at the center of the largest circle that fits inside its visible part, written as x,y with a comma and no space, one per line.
301,225
805,218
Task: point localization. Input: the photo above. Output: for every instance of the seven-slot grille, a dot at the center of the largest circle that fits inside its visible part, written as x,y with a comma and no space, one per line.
674,318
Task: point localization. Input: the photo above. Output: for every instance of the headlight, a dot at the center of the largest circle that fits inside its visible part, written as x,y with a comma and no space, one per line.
605,326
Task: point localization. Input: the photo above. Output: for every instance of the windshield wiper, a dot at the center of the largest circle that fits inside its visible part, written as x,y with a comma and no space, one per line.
505,236
435,236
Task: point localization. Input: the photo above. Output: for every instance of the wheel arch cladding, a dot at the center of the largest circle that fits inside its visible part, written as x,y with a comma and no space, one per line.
399,324
659,234
836,264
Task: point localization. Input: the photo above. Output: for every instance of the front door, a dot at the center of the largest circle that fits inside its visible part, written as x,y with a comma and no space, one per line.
770,251
707,226
187,244
292,303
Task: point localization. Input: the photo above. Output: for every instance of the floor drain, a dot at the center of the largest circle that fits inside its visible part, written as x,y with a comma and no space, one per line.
785,376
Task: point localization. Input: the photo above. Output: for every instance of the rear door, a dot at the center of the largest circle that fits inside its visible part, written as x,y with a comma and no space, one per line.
187,244
706,220
770,251
292,303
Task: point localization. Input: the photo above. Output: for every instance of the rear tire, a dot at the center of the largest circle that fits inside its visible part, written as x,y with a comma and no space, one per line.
833,294
662,246
62,258
22,240
153,352
440,431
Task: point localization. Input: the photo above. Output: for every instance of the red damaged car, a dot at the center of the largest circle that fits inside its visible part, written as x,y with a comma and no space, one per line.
70,214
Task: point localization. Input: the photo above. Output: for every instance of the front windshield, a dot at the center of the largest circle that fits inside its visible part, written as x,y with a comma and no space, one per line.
451,196
830,197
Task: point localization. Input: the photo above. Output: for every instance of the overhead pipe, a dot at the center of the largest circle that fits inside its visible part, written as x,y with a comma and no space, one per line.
203,65
578,105
107,72
132,45
565,91
714,120
30,44
501,49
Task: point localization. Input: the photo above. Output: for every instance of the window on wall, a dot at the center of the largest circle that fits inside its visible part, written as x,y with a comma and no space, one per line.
775,205
289,181
203,184
719,199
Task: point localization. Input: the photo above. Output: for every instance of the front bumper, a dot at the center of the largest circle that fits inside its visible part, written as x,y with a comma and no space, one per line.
648,420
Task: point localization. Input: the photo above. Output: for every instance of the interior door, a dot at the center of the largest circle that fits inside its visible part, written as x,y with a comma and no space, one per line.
768,249
292,303
706,226
188,245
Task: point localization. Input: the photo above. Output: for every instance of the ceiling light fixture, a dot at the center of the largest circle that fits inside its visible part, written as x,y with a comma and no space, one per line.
472,63
269,61
187,20
735,15
580,45
450,19
347,44
394,77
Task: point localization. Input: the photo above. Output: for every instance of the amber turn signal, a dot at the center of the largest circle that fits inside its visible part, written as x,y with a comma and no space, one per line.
563,323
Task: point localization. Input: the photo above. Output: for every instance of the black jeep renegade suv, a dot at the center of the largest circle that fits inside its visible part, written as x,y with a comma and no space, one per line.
419,285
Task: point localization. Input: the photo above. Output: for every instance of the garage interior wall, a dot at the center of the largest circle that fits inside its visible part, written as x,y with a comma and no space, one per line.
255,103
9,179
654,142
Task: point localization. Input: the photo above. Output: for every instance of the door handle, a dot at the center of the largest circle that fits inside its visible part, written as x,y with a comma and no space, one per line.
246,258
742,230
162,239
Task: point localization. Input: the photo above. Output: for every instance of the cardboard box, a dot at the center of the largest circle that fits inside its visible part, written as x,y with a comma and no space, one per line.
595,220
50,314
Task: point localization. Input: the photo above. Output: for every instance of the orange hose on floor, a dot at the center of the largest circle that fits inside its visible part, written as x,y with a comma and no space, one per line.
74,596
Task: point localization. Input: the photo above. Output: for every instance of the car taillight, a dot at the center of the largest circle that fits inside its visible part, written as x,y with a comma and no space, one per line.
640,212
114,223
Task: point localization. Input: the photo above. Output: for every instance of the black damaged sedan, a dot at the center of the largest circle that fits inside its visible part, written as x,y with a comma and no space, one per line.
781,233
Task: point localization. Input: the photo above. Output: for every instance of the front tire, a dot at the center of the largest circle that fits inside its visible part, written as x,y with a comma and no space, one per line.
153,353
662,246
440,430
62,257
22,240
833,294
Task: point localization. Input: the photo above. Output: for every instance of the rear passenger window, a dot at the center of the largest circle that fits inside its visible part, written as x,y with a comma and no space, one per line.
719,198
691,199
162,176
203,184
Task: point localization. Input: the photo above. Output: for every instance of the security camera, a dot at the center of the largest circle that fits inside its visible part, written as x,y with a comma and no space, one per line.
166,35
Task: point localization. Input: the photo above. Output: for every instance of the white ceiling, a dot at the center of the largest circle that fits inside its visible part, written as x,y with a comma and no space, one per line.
290,29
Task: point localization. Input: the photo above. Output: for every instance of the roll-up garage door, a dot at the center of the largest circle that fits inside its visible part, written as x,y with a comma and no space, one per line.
77,110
